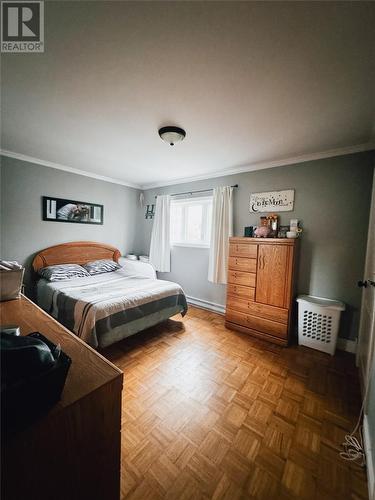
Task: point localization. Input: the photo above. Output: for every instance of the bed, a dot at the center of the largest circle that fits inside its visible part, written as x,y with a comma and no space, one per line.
105,308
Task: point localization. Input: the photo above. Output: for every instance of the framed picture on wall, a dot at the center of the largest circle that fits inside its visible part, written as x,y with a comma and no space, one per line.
62,210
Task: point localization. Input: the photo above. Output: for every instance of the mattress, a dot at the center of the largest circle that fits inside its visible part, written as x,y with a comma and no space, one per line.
105,308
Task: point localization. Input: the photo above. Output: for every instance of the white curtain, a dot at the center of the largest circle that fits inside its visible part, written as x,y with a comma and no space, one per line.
160,248
221,230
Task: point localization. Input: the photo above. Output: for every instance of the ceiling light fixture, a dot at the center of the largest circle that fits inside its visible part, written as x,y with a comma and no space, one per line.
171,135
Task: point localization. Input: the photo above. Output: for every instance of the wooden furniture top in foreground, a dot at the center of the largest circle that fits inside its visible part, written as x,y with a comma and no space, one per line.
89,370
73,450
77,252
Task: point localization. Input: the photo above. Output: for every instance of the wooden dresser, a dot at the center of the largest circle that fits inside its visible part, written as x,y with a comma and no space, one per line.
73,452
260,287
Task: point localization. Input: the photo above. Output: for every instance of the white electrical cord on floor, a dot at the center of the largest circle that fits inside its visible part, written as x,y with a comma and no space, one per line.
353,448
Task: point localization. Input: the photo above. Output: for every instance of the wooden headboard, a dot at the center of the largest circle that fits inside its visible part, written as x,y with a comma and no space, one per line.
77,252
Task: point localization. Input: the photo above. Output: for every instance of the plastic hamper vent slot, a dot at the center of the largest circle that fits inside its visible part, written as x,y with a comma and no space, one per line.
318,322
317,326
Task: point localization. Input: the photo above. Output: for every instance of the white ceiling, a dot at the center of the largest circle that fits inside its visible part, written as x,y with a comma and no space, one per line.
251,82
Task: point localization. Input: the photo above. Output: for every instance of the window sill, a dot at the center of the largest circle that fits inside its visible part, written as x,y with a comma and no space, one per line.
190,245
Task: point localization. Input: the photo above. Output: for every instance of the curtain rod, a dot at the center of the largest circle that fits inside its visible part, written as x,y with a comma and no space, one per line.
200,191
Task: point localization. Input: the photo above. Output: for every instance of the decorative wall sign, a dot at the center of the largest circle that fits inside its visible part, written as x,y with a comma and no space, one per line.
150,212
272,201
62,210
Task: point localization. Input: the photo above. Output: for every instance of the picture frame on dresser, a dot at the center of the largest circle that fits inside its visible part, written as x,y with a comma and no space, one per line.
282,231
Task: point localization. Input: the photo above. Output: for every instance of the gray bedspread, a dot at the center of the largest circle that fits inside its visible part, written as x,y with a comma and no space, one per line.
105,308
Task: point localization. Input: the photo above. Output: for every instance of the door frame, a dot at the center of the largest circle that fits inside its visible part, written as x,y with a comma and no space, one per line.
367,366
365,370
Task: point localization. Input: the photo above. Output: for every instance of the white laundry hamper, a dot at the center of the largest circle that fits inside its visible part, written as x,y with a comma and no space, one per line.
318,322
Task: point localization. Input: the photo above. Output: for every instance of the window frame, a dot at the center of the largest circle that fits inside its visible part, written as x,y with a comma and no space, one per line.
206,202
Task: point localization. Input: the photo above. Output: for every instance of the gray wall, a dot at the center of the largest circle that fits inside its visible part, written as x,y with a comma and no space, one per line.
332,201
23,232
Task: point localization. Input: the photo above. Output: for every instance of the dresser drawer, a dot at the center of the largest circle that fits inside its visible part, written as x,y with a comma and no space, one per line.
241,291
243,250
242,264
250,307
256,323
241,278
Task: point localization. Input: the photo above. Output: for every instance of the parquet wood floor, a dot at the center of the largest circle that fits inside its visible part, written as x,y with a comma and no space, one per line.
212,413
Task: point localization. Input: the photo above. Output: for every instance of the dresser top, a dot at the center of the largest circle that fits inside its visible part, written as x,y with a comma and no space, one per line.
89,369
269,241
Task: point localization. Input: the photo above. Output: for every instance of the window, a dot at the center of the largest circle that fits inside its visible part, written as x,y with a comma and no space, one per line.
191,222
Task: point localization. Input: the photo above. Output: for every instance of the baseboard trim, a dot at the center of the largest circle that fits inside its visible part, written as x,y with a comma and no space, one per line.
370,465
342,344
347,345
205,304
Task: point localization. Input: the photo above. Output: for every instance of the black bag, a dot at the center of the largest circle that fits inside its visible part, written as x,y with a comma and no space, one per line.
33,374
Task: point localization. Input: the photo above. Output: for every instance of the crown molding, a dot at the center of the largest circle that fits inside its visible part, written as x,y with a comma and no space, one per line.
368,146
65,168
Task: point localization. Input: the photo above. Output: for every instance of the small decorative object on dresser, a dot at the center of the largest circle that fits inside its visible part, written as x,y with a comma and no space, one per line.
260,287
282,231
294,223
294,231
272,221
292,234
262,232
248,232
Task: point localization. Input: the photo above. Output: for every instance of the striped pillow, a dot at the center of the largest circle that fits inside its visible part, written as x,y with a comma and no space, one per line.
101,266
62,272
